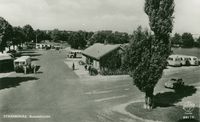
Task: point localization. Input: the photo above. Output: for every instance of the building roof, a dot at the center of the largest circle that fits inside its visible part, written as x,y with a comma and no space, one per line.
98,50
23,58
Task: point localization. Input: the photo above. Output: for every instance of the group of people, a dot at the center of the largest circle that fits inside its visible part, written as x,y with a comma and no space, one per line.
91,69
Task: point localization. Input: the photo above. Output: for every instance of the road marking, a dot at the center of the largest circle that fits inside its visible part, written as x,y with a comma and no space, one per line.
98,92
109,98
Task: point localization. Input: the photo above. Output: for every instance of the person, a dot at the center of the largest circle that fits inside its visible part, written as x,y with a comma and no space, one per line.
25,69
89,68
85,66
33,67
73,66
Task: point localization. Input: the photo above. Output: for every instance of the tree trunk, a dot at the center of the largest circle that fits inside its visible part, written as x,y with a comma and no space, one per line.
149,99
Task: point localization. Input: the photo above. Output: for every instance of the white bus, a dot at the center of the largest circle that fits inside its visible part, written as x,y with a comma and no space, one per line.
75,54
193,60
174,60
184,60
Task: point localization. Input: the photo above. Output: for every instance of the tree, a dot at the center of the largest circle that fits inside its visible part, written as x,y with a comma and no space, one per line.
29,33
188,40
18,35
198,42
55,35
148,54
6,32
176,39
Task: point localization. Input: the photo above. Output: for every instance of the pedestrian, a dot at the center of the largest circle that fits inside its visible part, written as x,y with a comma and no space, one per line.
73,66
25,69
85,67
89,69
33,68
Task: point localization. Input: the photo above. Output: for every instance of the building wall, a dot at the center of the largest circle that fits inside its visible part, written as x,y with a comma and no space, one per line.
96,64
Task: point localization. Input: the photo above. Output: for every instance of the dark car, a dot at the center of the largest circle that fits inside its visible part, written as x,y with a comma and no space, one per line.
174,83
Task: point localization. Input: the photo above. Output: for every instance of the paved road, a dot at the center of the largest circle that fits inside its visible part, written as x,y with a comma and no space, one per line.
56,91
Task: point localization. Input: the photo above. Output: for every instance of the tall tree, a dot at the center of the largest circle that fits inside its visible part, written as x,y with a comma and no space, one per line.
29,33
188,40
6,32
56,35
150,53
18,35
176,39
198,42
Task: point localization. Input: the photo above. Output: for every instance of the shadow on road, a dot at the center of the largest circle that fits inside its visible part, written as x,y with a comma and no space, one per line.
6,71
167,99
28,52
34,59
9,82
31,54
40,72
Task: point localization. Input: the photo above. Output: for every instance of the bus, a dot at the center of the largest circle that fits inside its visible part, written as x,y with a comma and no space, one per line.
174,60
184,60
75,54
193,60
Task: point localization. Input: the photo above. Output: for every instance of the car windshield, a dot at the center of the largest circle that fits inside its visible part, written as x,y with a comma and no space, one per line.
16,63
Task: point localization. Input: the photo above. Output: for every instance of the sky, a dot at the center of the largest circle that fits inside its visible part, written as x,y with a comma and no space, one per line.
94,15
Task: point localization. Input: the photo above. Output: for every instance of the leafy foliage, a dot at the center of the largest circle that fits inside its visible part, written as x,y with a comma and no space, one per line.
176,39
6,32
111,63
18,35
188,40
29,33
147,54
108,36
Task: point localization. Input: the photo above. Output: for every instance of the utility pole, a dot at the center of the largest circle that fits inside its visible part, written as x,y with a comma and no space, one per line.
36,41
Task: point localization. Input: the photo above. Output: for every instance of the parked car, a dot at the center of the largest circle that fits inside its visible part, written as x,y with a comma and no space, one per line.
174,83
22,61
14,53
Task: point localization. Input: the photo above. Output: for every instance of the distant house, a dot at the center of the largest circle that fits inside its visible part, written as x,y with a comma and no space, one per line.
96,53
46,43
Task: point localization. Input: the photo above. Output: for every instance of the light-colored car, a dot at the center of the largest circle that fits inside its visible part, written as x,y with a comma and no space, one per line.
19,63
174,83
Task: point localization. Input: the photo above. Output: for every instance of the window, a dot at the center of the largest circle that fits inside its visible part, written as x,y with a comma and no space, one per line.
16,63
173,79
22,63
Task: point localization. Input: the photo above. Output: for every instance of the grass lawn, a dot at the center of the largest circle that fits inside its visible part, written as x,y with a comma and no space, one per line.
165,108
166,114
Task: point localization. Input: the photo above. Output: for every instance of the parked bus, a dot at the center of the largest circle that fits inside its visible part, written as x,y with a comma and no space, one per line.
174,60
193,60
6,62
184,60
75,54
21,62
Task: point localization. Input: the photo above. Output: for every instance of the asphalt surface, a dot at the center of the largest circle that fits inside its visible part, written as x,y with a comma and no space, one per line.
59,94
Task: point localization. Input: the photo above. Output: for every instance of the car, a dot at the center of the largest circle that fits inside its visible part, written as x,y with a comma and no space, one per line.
174,83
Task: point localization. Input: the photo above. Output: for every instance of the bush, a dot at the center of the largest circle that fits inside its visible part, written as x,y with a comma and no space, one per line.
113,72
93,71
